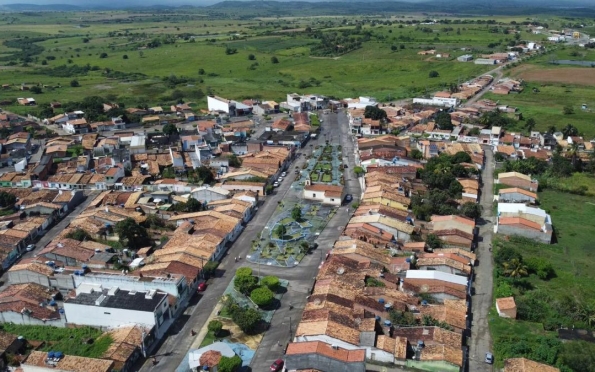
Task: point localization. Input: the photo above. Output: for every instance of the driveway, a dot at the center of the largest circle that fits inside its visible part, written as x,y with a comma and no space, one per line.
481,340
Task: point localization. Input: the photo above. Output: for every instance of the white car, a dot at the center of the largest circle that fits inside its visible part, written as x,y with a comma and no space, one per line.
59,270
283,174
280,179
276,184
30,247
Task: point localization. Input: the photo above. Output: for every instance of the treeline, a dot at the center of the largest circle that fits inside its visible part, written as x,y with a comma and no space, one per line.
337,43
27,46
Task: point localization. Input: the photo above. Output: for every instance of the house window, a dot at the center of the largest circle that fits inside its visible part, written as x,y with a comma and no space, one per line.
313,195
332,200
107,313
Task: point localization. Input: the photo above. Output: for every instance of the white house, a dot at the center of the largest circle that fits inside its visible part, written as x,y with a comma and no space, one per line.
108,308
231,108
76,126
326,194
361,102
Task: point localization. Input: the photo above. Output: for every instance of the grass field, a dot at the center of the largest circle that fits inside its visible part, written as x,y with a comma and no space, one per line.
546,107
560,298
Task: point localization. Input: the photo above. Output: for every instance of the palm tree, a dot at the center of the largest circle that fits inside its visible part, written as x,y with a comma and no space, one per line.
572,152
552,129
569,130
515,268
530,124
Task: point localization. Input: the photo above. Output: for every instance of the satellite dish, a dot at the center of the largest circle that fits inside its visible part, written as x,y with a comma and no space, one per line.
317,301
424,288
341,270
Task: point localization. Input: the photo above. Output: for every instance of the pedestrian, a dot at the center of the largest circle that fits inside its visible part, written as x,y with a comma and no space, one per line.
236,259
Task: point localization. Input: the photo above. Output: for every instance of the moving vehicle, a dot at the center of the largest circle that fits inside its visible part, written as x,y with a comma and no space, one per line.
348,198
30,248
202,287
277,365
489,358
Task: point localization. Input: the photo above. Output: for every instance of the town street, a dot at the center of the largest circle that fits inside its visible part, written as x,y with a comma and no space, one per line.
301,277
481,341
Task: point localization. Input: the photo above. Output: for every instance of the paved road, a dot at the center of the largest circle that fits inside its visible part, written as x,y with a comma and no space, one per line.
285,320
301,278
481,340
497,74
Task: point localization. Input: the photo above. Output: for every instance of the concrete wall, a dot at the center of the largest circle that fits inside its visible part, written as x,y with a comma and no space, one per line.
26,276
128,283
531,234
18,318
371,352
206,195
217,105
515,197
442,268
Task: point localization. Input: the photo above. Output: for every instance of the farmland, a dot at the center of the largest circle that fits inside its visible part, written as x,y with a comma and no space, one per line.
129,55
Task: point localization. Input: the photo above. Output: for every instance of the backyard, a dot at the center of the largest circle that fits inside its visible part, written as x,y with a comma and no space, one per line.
557,290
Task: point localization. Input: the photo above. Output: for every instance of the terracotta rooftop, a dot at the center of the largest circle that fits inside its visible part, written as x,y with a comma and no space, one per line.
324,349
519,221
526,365
506,303
70,363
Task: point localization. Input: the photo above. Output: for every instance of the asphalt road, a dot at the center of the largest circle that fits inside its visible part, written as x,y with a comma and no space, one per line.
481,340
301,277
285,320
56,229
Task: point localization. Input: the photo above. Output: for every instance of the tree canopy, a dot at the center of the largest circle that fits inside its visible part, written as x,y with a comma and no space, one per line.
6,199
374,113
132,235
443,121
262,296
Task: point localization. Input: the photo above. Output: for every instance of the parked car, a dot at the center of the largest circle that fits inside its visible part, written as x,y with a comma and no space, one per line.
489,358
59,270
30,247
202,287
276,184
283,174
345,166
280,179
348,198
277,365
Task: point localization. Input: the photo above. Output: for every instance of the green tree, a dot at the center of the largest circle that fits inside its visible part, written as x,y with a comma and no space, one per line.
262,296
359,171
193,205
205,174
296,213
280,230
247,320
541,267
201,71
530,124
6,199
227,364
251,57
471,210
394,48
132,235
103,55
433,74
215,327
271,282
125,56
244,271
402,318
416,154
569,130
210,268
79,234
443,121
568,110
35,89
74,83
234,161
274,60
515,268
374,113
170,129
245,283
433,241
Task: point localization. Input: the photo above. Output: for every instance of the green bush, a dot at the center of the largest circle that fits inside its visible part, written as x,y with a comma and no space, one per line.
246,319
244,271
271,282
245,283
541,267
209,268
503,289
262,296
215,327
227,364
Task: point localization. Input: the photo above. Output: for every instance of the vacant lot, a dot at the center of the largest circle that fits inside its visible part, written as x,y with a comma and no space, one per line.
563,299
